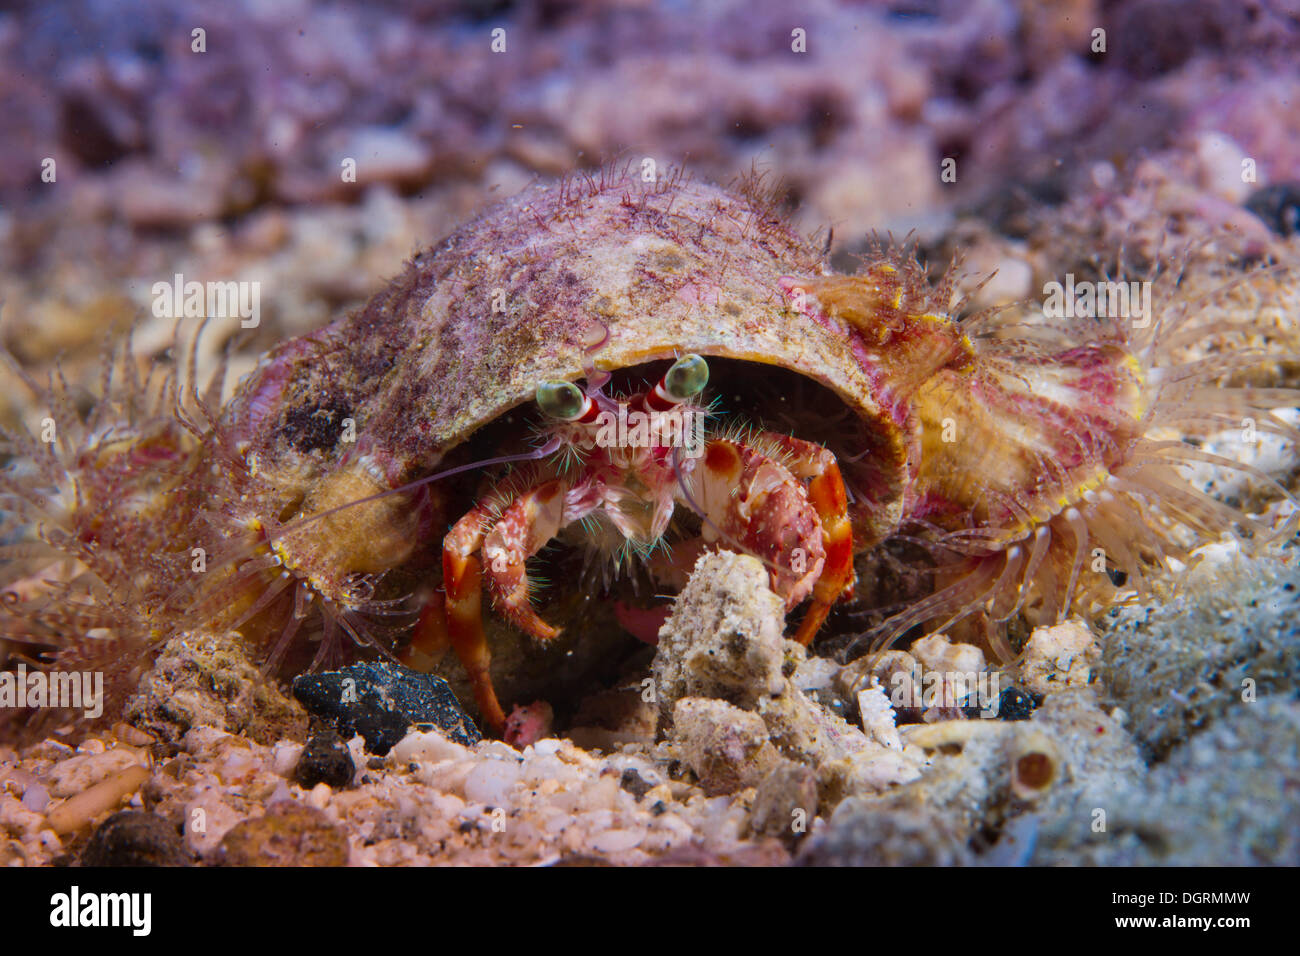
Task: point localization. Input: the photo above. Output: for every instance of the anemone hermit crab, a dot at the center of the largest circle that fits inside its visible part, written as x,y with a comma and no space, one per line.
638,371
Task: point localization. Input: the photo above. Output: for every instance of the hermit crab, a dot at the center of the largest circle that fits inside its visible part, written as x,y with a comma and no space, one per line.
632,371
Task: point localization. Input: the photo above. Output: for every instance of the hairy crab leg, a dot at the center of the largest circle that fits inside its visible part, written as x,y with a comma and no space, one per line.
523,528
818,467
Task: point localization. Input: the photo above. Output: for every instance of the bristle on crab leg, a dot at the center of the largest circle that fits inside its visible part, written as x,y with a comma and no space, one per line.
301,605
958,599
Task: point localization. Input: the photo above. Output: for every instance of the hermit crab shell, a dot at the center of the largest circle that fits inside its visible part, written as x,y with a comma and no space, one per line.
610,270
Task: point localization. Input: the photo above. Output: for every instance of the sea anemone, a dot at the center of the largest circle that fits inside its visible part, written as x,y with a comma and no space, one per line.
1070,493
84,498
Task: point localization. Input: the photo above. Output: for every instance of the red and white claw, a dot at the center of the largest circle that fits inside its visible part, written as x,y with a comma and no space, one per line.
523,529
757,503
802,531
818,467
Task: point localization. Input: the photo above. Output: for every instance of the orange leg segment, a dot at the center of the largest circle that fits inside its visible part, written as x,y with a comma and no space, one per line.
462,576
429,639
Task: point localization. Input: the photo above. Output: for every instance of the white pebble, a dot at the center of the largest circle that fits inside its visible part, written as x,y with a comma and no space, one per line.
284,757
280,794
236,765
603,795
357,747
616,841
446,804
596,820
496,748
878,717
491,782
447,775
36,798
538,769
431,746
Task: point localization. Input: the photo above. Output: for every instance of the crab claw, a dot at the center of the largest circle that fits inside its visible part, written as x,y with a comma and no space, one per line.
826,493
802,533
523,529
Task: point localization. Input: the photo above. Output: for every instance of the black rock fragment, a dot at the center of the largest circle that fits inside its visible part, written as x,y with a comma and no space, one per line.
635,784
135,838
1014,703
382,702
1279,206
325,759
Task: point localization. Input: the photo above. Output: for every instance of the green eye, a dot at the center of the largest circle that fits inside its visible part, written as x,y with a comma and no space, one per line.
562,400
687,377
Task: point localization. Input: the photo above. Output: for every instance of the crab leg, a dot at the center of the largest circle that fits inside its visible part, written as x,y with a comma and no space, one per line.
818,467
462,576
524,527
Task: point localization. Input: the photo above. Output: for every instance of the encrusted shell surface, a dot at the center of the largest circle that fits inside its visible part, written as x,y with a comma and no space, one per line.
522,294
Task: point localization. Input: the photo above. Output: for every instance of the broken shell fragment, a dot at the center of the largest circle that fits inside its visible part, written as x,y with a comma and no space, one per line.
1035,763
79,811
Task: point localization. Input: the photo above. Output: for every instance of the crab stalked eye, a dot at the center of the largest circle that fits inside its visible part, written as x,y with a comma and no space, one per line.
687,377
562,400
